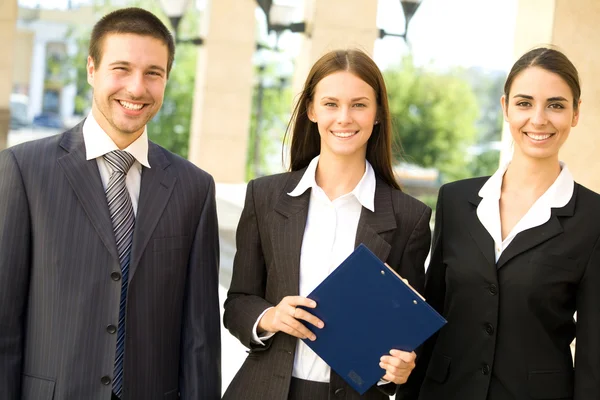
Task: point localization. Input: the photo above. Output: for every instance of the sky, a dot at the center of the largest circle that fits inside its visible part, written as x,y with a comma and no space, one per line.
443,33
447,33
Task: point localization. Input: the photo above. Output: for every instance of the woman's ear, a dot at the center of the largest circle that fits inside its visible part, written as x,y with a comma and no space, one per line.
504,107
311,112
576,115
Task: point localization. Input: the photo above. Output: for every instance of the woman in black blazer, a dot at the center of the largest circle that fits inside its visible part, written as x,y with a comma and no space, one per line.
515,255
296,228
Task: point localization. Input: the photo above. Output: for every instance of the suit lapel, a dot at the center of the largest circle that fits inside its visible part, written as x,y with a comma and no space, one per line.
84,178
156,188
480,235
289,232
374,228
535,236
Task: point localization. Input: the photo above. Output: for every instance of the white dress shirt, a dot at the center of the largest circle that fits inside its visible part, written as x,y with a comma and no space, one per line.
329,237
488,211
98,143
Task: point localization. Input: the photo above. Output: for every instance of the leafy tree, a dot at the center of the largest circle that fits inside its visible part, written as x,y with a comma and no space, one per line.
488,86
434,118
272,103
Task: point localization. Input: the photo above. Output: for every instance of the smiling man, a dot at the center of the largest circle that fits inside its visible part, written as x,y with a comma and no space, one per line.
109,245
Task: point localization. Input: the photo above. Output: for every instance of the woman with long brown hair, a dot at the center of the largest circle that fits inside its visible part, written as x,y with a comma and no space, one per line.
297,227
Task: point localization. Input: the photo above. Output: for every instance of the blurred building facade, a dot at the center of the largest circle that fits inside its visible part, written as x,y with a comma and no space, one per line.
8,20
43,45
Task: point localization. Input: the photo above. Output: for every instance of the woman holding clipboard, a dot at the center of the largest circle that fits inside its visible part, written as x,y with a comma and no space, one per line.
297,227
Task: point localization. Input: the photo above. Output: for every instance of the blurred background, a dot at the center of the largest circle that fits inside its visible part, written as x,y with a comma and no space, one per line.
240,63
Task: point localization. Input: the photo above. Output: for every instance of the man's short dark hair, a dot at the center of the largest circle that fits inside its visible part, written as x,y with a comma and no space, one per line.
130,20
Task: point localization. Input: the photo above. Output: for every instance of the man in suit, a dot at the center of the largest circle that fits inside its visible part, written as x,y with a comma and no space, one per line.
109,244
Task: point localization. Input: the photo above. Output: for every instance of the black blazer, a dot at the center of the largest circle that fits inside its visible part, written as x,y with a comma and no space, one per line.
510,323
266,269
60,283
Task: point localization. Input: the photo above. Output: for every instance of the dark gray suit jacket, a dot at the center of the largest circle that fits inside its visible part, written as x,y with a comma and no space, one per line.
266,269
60,278
510,322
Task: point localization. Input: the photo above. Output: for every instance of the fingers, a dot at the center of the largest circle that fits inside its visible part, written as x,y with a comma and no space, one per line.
398,366
286,316
295,301
299,313
293,327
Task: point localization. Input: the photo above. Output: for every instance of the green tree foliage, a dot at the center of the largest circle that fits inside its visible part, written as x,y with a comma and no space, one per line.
488,87
268,122
171,126
434,118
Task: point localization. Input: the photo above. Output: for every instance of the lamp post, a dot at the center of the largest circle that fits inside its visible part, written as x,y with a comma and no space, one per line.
175,9
409,7
280,18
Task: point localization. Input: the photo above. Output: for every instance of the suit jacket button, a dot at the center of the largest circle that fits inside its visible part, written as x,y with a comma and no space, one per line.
339,392
493,289
115,276
111,329
105,380
485,369
489,329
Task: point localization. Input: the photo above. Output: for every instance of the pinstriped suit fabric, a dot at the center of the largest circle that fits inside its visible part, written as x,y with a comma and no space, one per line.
57,253
301,389
266,269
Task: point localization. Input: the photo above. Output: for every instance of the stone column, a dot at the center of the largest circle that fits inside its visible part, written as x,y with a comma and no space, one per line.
8,20
223,90
573,26
335,24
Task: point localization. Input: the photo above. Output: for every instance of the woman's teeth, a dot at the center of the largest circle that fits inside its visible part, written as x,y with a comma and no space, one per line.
538,137
343,134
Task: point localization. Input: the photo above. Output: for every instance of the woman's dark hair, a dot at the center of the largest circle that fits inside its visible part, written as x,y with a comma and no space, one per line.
550,60
306,142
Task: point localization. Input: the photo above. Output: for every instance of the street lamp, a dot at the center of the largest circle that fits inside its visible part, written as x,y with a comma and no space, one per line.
174,9
280,18
409,7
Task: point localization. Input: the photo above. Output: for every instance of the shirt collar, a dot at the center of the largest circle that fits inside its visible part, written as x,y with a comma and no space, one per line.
364,191
98,143
557,195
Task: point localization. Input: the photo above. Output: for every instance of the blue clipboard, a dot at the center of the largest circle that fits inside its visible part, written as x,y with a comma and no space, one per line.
367,310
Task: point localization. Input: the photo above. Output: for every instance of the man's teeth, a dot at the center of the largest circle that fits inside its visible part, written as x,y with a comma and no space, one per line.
538,137
131,106
343,134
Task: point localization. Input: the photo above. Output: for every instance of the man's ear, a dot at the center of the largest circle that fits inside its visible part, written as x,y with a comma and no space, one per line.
91,70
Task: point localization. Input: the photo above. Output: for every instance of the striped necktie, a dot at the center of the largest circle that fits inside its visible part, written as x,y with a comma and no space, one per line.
123,220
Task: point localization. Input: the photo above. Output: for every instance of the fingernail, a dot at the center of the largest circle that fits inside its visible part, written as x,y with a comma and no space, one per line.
313,338
320,324
381,364
313,304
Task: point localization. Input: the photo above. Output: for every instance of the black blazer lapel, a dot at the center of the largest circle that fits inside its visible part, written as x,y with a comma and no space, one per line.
84,177
532,237
372,224
156,188
287,247
478,232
